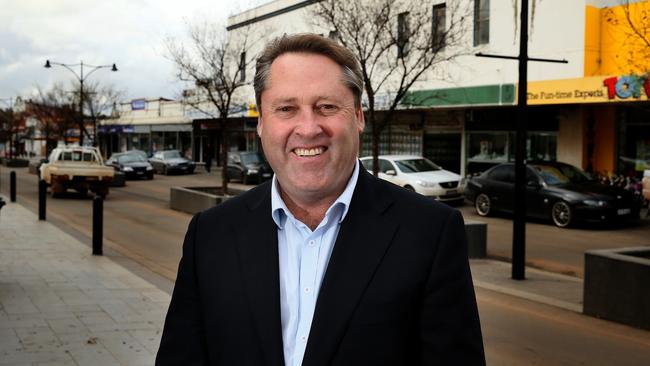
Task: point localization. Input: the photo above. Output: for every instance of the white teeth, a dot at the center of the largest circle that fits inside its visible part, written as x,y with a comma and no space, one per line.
309,152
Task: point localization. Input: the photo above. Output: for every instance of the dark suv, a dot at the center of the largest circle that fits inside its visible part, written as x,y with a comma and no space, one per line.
248,166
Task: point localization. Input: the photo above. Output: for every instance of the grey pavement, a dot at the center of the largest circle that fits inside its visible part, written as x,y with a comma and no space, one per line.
60,305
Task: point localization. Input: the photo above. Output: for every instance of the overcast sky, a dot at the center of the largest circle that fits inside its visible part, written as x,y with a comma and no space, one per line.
129,33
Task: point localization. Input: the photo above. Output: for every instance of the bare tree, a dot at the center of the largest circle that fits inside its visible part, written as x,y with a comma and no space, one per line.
215,64
632,29
396,43
9,127
56,112
99,102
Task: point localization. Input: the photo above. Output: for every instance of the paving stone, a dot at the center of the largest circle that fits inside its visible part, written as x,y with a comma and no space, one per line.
59,305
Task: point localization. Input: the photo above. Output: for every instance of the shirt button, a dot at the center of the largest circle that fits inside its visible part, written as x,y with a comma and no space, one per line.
312,243
307,290
303,338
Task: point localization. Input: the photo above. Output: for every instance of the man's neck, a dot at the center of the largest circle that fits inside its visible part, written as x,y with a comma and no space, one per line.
310,213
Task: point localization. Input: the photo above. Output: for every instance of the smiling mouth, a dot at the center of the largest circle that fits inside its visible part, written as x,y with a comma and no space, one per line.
315,151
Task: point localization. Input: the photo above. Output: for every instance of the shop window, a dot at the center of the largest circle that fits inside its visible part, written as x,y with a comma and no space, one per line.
481,22
395,142
488,147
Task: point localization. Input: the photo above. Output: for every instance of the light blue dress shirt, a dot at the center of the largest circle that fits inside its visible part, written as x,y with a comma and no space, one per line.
304,255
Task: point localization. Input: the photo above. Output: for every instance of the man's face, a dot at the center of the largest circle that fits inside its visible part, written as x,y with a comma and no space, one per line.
309,126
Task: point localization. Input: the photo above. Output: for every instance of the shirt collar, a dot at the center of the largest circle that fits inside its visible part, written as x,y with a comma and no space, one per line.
279,210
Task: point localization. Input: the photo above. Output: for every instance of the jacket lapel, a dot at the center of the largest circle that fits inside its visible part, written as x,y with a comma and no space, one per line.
356,255
258,253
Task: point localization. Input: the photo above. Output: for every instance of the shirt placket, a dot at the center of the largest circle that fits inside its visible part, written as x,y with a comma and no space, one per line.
308,273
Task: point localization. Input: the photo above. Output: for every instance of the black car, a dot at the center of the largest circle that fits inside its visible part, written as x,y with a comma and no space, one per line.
131,165
171,161
556,191
248,166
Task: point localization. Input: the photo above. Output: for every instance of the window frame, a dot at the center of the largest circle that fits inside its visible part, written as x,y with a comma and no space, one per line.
438,26
481,22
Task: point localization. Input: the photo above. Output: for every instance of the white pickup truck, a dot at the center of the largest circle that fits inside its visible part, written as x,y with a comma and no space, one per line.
78,167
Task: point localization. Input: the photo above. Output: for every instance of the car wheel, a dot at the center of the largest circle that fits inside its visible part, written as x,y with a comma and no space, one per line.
561,214
482,204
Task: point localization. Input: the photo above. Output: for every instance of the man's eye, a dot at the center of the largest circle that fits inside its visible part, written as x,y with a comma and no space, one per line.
327,108
285,108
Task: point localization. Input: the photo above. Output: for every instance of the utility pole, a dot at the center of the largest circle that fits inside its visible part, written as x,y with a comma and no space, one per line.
81,78
519,221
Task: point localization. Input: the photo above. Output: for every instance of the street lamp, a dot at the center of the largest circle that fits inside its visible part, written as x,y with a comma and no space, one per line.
81,78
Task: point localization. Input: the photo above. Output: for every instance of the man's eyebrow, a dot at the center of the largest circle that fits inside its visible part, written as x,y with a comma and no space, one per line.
282,100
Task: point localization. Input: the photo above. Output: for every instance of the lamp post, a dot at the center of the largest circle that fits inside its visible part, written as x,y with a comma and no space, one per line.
81,78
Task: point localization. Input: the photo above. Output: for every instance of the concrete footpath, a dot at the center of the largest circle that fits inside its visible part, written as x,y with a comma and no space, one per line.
60,305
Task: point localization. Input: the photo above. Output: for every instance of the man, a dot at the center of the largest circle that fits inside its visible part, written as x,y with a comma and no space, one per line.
325,265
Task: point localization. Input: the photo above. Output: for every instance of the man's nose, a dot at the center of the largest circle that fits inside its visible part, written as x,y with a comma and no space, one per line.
309,124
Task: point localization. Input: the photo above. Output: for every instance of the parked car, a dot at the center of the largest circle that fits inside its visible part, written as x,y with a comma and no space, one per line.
76,167
133,165
248,166
556,191
420,175
171,161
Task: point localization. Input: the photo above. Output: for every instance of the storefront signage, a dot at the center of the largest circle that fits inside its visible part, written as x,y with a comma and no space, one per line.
598,89
627,86
138,104
116,129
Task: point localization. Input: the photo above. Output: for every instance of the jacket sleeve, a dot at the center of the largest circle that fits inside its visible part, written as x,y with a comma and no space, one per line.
183,338
450,331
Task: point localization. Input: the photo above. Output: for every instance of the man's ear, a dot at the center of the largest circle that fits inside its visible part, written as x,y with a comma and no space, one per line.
361,120
259,126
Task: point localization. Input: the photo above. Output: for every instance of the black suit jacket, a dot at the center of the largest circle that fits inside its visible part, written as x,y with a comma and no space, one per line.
397,290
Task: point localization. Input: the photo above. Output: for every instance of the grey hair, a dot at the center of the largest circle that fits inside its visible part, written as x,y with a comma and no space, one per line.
308,43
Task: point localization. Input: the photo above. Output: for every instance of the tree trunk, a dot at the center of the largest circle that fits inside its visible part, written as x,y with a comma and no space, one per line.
224,160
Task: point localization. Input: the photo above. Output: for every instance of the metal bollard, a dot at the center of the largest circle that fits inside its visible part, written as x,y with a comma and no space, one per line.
42,189
12,186
98,222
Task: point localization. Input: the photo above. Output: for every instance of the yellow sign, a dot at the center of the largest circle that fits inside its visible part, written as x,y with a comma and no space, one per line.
597,89
252,111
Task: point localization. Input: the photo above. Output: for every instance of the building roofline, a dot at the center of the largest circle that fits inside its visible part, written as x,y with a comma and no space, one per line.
271,14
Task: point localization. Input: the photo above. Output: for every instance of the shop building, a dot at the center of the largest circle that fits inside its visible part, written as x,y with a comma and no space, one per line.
592,112
151,125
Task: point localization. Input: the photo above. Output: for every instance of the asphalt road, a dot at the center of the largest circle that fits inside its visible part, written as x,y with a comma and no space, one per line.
555,249
140,225
138,222
521,332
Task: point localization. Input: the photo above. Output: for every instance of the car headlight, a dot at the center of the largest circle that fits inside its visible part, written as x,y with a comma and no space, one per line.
149,167
424,183
128,169
594,203
252,171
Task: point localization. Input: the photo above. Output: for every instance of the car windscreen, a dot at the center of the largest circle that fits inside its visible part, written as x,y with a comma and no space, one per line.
126,159
171,155
416,165
252,159
561,174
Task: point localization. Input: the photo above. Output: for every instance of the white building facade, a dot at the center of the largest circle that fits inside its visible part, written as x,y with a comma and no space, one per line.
461,114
